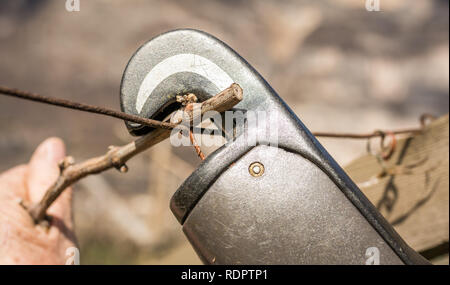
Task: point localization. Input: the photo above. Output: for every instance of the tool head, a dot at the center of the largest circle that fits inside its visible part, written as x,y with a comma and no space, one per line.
176,63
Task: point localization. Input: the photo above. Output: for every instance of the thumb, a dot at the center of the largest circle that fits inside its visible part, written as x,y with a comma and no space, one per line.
42,173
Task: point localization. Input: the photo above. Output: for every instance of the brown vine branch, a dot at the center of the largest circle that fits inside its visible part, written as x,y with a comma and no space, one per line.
117,156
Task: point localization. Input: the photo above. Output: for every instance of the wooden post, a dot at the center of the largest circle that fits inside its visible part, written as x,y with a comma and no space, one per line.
412,189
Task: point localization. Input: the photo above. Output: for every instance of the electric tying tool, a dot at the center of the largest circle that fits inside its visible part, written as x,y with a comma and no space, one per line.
283,202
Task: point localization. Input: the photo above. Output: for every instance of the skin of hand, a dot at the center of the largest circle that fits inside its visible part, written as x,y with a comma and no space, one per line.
21,241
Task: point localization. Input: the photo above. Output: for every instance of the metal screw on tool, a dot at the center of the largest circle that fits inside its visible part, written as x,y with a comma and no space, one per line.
256,169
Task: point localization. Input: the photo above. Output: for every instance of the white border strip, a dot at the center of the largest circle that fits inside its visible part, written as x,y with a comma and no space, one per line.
184,62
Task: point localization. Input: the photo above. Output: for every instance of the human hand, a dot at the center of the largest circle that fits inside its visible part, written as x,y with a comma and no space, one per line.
21,241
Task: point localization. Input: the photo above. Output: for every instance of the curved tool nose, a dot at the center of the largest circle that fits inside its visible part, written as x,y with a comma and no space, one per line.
176,63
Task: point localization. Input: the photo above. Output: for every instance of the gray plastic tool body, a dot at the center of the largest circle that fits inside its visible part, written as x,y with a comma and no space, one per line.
303,209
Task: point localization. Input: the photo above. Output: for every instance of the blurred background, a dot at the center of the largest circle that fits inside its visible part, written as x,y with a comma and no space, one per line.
338,66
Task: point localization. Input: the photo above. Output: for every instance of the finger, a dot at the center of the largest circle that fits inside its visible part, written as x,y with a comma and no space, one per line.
43,172
12,182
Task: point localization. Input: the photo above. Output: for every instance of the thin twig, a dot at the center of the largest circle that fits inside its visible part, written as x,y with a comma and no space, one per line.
196,146
84,107
118,156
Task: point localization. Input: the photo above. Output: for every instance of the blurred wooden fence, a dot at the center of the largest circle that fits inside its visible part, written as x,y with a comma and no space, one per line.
411,189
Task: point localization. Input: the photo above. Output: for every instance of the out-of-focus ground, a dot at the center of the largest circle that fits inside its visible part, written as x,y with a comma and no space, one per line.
339,67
